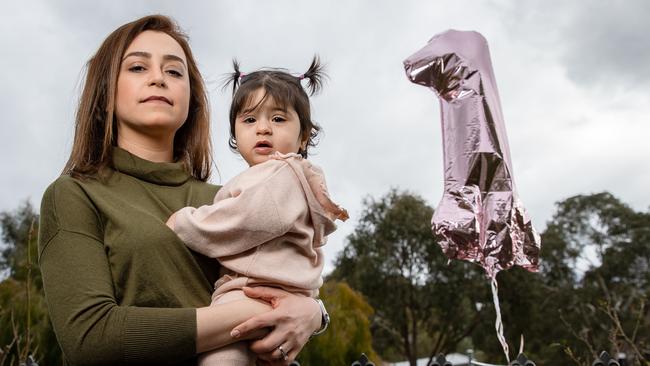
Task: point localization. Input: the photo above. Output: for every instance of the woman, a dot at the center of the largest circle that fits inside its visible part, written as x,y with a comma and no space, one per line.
121,287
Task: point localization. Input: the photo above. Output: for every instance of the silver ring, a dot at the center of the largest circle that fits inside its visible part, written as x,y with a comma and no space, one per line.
285,356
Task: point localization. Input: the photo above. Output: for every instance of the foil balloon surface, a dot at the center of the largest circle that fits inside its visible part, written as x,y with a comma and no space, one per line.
480,217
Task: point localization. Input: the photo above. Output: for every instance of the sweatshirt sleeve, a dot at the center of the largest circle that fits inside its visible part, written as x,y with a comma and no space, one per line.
260,206
90,326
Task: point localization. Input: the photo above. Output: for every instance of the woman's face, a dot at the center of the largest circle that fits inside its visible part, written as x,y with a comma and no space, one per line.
153,87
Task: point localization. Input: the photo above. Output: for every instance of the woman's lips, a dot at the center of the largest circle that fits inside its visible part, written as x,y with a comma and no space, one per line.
157,99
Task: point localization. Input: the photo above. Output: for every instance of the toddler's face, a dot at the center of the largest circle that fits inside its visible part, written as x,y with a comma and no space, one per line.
268,128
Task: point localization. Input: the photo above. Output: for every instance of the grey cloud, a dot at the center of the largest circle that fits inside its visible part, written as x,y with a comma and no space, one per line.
601,44
608,44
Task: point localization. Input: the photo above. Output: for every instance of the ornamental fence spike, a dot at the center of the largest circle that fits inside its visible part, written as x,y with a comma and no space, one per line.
522,360
440,360
363,361
605,360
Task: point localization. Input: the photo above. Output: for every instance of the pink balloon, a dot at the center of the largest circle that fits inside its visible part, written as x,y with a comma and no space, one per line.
480,217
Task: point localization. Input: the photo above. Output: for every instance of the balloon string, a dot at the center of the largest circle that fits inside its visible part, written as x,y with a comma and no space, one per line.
499,324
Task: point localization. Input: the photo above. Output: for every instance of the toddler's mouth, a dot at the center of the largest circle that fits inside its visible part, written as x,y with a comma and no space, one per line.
264,143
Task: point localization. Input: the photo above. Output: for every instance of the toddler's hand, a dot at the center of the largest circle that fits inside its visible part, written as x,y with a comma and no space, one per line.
171,222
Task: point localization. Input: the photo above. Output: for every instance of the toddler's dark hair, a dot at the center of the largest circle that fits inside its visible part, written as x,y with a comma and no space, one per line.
285,89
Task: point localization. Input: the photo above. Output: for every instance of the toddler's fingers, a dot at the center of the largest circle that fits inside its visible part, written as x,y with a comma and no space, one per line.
268,294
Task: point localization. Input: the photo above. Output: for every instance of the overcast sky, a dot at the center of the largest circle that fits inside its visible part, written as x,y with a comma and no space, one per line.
574,80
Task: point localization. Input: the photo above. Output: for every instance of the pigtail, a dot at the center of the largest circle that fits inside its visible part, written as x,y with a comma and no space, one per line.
315,76
233,77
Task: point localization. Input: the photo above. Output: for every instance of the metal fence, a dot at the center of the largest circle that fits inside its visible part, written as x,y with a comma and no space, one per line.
440,360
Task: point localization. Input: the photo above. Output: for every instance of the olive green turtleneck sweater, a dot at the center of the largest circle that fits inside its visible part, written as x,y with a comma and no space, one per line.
121,287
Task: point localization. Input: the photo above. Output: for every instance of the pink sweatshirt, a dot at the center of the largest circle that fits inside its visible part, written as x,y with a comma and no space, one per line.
267,224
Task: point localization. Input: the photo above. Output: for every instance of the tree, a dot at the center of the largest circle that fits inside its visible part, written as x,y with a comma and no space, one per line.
17,228
530,303
591,292
393,259
348,335
610,311
25,327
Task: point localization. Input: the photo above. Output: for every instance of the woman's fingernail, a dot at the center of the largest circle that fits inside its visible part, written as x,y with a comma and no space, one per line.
235,333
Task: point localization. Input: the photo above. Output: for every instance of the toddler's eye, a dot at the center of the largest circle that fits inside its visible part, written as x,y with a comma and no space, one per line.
279,119
249,120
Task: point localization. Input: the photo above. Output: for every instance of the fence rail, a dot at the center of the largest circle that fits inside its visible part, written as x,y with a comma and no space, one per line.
440,360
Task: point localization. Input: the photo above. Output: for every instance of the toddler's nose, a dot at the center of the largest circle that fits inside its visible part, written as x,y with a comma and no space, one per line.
264,127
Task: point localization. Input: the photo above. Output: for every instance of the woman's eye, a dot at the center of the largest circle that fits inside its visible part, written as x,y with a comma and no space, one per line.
136,68
175,73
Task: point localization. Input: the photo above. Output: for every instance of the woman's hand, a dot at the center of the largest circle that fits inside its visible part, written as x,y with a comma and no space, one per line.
293,320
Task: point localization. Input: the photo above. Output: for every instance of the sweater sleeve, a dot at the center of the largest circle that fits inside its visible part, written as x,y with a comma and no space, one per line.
91,327
262,205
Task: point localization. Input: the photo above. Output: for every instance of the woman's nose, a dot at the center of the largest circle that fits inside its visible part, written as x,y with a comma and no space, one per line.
157,77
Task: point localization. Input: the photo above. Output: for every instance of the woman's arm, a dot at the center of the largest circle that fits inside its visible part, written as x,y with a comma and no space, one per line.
214,324
91,326
94,330
293,320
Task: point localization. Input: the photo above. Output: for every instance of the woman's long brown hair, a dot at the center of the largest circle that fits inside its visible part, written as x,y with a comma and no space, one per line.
95,125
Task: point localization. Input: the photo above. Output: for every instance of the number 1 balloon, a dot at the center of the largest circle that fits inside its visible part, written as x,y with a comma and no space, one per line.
480,217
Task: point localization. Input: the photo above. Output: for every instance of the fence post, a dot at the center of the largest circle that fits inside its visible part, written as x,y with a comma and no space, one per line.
440,360
522,360
363,361
605,360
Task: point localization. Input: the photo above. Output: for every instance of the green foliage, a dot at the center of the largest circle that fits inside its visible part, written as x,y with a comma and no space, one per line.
39,339
17,228
394,261
349,333
25,327
608,310
590,293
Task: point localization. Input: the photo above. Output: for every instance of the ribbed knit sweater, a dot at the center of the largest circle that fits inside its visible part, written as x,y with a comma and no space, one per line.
121,287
